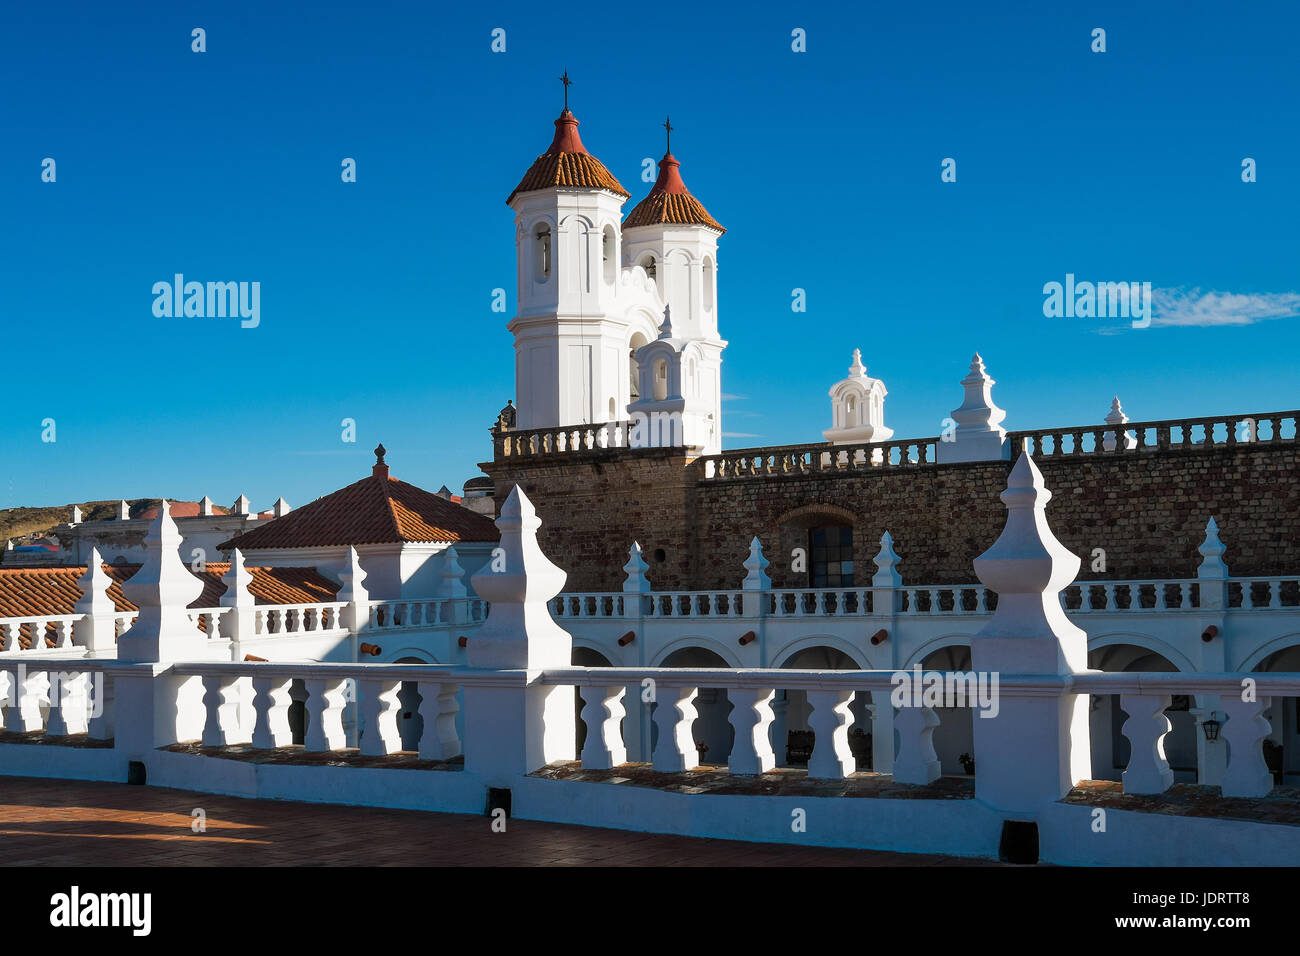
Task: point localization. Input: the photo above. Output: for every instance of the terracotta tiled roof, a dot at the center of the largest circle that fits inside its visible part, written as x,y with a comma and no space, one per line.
567,163
375,510
670,201
27,592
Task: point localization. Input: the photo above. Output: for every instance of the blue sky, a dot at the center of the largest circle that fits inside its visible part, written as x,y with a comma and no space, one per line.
824,166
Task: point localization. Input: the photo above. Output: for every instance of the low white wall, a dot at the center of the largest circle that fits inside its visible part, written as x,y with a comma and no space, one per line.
952,827
1133,838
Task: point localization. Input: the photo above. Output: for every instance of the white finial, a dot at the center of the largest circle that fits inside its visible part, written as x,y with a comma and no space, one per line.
518,581
1116,417
242,505
163,590
123,511
756,577
1028,568
635,569
76,515
353,577
238,581
979,436
94,586
1212,549
452,576
857,369
280,508
666,328
887,575
95,631
9,544
205,507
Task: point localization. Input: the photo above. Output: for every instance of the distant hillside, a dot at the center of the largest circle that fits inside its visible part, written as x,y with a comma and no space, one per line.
23,522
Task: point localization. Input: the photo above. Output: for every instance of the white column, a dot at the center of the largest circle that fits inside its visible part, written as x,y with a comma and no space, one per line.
514,730
1036,747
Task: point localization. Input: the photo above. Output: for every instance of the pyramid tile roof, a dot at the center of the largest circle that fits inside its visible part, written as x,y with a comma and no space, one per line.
669,201
378,509
567,163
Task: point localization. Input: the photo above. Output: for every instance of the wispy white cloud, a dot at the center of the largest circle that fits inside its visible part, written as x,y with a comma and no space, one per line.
1192,307
727,397
740,435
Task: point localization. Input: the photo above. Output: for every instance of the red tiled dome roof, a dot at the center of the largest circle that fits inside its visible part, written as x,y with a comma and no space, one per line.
670,201
567,163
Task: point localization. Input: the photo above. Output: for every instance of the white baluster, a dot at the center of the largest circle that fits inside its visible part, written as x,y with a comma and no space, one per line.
603,713
1245,729
67,704
674,716
8,694
325,701
829,722
751,716
29,688
438,707
221,701
63,633
1148,769
934,601
916,761
1110,598
271,703
981,600
1161,600
100,711
379,708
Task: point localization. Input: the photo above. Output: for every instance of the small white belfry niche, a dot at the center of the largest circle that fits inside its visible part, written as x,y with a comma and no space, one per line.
679,403
857,408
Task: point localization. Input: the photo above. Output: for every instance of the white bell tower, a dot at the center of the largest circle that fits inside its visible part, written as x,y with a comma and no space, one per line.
569,338
673,238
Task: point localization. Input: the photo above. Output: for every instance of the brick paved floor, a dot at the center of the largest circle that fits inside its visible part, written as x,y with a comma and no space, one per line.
75,823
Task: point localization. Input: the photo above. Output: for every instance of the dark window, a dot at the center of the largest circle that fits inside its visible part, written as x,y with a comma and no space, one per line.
831,550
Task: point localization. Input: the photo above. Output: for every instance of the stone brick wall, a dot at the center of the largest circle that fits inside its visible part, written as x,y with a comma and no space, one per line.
1147,512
